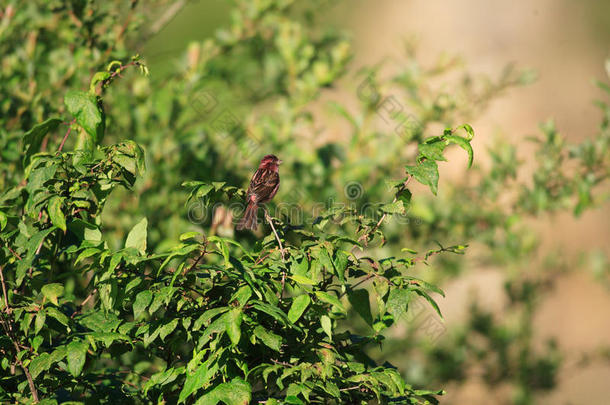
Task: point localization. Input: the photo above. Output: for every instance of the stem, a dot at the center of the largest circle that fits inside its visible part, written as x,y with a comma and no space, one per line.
61,146
203,252
378,224
8,328
279,242
4,290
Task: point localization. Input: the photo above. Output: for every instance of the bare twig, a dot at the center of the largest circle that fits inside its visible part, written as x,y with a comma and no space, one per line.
6,307
350,388
261,258
282,363
203,252
14,253
61,146
165,18
279,242
82,304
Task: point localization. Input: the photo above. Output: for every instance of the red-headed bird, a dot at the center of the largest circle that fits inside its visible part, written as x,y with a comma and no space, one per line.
262,189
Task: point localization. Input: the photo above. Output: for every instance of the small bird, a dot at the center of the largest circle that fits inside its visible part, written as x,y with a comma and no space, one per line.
262,189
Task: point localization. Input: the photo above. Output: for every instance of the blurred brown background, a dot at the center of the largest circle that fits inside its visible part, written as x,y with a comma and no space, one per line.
566,43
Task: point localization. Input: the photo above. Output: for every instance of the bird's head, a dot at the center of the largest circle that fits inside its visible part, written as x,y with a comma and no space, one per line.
270,162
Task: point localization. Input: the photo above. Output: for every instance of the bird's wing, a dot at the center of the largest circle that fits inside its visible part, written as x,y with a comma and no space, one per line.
263,185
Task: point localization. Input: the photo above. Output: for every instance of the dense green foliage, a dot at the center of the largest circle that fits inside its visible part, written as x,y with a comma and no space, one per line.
123,278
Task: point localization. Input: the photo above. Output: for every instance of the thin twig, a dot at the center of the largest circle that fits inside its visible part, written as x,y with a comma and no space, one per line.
82,304
14,253
268,218
7,325
367,278
165,18
61,146
350,388
203,253
6,307
261,258
283,363
378,224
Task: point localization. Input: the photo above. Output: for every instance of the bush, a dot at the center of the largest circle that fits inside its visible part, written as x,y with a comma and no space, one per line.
122,276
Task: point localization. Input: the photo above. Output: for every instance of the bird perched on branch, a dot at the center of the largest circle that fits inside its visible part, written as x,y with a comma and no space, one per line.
262,189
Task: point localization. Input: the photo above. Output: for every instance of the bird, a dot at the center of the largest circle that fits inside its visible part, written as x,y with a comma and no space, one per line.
263,186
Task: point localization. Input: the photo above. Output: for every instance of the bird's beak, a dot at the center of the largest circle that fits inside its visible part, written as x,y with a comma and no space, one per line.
279,162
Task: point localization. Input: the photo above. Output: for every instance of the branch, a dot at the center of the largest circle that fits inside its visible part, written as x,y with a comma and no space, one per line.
282,363
378,224
162,22
61,146
82,304
6,307
269,219
8,328
203,252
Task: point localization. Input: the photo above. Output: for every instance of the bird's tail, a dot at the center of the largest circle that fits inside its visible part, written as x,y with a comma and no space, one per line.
249,220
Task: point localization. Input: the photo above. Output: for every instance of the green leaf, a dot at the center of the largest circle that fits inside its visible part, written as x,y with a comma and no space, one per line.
203,190
52,291
236,392
404,195
330,299
86,253
398,302
430,301
33,138
396,207
462,143
208,315
233,325
77,354
100,322
108,337
54,313
433,151
167,329
97,77
242,295
137,236
302,279
268,338
57,216
142,300
426,173
468,129
84,107
3,220
41,317
85,231
299,305
359,299
327,325
194,381
125,161
272,311
40,363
